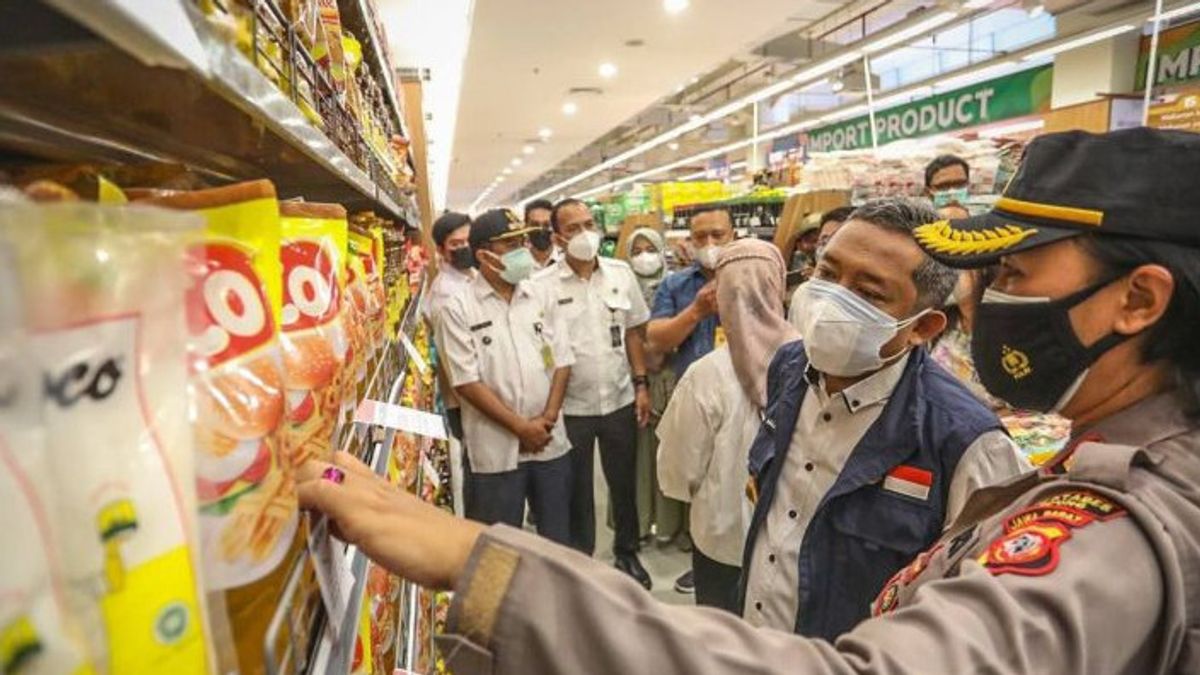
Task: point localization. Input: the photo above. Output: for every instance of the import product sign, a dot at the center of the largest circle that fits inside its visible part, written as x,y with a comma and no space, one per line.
1016,95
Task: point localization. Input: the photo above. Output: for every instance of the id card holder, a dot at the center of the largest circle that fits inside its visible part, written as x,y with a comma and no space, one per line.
547,356
617,335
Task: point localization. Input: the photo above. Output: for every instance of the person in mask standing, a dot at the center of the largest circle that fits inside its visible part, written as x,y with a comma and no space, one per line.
608,395
645,249
451,233
541,235
684,320
1088,569
714,415
868,449
509,358
801,270
948,181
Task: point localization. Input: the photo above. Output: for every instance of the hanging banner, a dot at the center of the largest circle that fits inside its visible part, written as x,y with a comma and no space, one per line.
1179,111
1178,56
1016,95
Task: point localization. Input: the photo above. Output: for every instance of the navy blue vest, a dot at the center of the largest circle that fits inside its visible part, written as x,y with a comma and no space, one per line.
861,534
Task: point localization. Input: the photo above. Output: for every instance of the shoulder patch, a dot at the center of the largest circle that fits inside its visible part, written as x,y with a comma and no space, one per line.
1032,536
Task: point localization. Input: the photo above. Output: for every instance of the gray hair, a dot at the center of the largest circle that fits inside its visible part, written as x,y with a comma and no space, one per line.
934,281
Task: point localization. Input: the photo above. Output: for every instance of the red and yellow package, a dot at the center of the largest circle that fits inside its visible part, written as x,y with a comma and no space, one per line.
105,289
315,344
247,498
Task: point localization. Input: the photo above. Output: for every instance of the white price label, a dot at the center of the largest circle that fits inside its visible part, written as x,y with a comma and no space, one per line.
334,577
400,418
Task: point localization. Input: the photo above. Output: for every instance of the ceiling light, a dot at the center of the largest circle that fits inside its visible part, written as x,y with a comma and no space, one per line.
695,79
500,179
976,4
678,88
1079,42
1034,8
905,34
672,146
545,133
675,6
693,176
974,76
608,70
507,170
827,67
528,149
570,108
815,85
517,161
695,120
1178,11
838,85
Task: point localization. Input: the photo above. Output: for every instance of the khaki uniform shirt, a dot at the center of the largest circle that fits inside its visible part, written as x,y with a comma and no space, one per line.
597,311
1089,573
513,349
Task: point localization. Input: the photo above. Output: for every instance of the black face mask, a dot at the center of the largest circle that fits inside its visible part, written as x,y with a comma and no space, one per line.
540,239
462,259
1028,355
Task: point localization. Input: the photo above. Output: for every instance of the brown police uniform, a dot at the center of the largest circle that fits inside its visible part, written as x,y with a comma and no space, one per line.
1091,571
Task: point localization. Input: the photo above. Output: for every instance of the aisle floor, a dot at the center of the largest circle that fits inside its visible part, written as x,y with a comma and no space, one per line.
664,563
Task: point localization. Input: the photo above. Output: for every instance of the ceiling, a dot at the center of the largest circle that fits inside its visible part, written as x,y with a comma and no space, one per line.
525,56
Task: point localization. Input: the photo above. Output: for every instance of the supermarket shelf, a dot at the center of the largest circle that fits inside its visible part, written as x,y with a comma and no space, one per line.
67,94
361,21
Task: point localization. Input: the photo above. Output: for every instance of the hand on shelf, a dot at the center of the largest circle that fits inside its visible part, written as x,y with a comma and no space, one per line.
397,530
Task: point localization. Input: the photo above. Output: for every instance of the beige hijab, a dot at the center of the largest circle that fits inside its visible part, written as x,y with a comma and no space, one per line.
750,287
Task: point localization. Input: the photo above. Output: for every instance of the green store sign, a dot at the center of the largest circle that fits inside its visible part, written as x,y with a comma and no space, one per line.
1178,56
1016,95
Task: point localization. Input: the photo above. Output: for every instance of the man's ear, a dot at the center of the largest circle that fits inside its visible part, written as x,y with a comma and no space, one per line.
929,326
559,240
485,258
1147,294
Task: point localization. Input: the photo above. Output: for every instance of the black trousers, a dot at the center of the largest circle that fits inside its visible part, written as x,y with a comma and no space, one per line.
500,497
617,433
716,583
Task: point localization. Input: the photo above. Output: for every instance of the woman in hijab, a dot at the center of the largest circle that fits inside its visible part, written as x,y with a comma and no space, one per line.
709,425
644,251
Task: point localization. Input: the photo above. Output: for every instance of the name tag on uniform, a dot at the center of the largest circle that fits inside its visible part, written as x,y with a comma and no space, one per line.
565,301
909,481
481,326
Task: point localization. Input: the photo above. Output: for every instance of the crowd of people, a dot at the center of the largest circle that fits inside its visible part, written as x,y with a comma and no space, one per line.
856,454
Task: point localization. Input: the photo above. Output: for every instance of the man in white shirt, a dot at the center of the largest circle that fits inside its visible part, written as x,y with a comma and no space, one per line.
868,449
608,396
541,235
509,360
451,234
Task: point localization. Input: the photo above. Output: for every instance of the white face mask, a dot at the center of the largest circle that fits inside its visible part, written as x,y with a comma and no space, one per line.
842,332
584,246
646,264
707,256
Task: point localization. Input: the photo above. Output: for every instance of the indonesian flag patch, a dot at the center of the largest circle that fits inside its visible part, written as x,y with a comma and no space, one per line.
909,481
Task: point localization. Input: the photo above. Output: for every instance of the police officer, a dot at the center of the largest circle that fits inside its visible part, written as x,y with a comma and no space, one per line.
509,361
1086,567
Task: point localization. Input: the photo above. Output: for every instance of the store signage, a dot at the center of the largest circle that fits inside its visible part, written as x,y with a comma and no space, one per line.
1178,56
1179,111
1016,95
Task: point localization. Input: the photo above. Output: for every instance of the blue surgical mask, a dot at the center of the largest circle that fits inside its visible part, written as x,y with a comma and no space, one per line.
952,196
518,265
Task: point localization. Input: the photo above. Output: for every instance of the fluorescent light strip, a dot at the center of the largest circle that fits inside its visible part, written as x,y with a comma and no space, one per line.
1178,11
1079,42
912,31
957,81
814,72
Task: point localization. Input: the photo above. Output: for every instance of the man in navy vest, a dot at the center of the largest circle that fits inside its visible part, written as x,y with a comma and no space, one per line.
868,448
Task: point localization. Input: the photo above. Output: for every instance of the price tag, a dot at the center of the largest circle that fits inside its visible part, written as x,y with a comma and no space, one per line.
413,353
334,577
400,418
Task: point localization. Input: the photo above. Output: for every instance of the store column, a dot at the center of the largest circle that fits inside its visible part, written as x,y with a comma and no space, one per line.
1105,67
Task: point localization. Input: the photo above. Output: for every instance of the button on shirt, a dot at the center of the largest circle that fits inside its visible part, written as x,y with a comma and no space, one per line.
597,311
512,349
676,292
703,440
827,431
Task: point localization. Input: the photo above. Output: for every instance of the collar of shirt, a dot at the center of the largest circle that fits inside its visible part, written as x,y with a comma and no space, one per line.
453,272
1146,422
865,393
565,271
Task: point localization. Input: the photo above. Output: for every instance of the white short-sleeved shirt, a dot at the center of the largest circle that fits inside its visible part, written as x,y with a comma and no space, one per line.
827,431
704,439
449,282
513,349
597,311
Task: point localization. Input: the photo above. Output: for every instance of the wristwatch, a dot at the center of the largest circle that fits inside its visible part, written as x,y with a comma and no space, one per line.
641,381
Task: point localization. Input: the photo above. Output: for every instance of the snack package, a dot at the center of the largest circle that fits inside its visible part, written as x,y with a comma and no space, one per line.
103,290
37,631
357,322
244,480
315,344
373,307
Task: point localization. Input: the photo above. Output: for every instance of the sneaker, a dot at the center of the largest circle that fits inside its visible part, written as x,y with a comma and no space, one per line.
686,583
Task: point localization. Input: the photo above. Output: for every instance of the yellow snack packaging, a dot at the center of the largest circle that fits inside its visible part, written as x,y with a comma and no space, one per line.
105,288
315,343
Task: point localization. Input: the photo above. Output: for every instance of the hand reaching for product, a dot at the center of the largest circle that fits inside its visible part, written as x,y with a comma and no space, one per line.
409,537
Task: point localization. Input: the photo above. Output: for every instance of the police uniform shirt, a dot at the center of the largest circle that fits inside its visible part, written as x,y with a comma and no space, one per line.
513,349
827,431
597,311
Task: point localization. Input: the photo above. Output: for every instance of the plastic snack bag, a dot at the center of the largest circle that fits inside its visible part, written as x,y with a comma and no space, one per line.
247,499
103,289
313,338
37,633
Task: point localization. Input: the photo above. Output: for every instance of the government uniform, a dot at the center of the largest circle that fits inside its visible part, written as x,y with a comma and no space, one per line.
597,312
512,348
